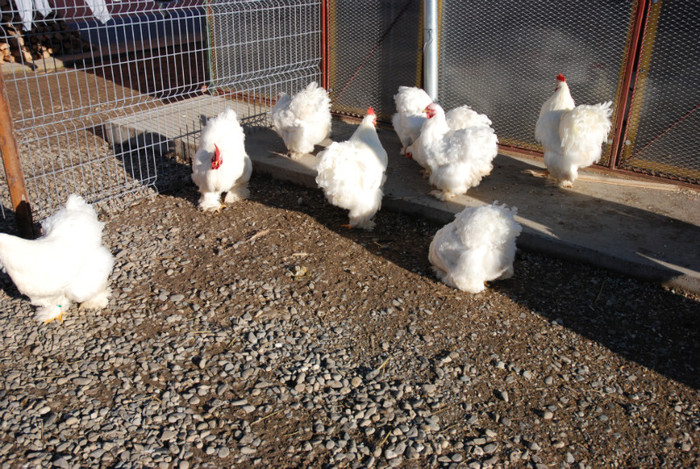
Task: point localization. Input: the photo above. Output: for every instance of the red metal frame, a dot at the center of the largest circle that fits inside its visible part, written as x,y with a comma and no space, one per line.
325,30
520,150
628,81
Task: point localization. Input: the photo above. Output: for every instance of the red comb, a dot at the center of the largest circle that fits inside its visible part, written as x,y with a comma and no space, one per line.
370,111
561,77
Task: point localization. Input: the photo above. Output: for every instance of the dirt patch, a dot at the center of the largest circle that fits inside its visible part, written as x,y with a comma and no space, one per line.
611,354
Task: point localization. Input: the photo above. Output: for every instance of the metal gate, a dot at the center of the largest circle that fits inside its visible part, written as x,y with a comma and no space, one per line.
99,97
664,119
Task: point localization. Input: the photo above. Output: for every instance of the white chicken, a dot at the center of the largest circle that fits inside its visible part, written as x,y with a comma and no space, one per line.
67,264
478,246
351,173
303,120
221,163
410,116
571,135
457,153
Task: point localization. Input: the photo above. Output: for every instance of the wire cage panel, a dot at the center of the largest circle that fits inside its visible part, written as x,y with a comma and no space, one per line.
374,48
664,124
73,70
100,97
501,58
261,48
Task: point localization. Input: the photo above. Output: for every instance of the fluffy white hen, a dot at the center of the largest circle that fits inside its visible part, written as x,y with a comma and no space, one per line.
351,173
571,135
478,246
67,264
409,117
303,120
457,153
221,163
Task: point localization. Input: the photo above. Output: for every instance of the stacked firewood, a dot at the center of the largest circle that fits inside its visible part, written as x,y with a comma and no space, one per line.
49,37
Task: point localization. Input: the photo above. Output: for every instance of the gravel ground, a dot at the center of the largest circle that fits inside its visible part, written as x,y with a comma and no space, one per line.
268,335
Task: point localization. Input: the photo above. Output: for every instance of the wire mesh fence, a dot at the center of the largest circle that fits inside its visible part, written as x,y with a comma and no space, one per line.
502,57
664,122
101,94
261,48
374,48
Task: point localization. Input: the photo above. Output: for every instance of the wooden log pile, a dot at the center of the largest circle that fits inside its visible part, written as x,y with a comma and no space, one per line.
49,37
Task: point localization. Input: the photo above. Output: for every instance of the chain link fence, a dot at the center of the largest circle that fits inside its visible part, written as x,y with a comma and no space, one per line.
664,123
374,47
502,57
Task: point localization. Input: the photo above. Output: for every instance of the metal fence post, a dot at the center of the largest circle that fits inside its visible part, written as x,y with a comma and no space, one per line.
325,31
13,168
430,48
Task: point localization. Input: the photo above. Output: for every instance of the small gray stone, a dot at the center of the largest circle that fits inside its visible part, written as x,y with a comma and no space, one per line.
223,452
490,448
62,462
533,446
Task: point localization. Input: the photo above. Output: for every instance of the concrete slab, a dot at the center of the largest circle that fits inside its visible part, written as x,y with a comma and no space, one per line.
166,128
47,65
642,229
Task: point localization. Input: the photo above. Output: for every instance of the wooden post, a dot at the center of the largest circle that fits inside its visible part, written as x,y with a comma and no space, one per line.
13,168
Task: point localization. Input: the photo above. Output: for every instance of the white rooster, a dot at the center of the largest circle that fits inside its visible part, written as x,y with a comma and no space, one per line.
478,246
67,264
571,135
221,163
351,173
457,153
409,117
303,120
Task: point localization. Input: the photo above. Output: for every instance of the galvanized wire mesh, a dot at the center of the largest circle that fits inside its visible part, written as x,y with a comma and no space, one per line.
662,138
374,48
260,48
76,75
502,57
99,97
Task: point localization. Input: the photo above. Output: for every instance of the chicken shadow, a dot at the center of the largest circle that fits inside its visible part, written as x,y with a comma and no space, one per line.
268,153
151,158
8,225
662,336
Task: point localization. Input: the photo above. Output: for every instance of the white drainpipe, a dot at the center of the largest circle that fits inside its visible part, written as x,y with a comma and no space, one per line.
430,48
